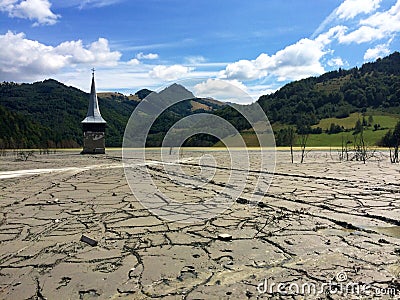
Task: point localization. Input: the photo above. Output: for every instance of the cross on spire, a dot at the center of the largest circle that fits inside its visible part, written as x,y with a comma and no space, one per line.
93,69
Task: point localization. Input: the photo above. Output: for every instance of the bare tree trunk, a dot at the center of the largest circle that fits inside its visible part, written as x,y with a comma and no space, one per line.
341,156
291,139
363,147
303,143
291,151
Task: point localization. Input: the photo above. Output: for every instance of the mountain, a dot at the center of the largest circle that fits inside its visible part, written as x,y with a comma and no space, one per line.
181,103
337,94
48,114
329,106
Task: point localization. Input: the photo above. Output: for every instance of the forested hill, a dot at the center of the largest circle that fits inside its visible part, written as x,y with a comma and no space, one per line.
48,114
337,94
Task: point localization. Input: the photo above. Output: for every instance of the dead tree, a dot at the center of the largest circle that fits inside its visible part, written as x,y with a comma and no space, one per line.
303,143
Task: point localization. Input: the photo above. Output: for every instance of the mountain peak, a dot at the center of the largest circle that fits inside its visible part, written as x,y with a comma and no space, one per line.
176,92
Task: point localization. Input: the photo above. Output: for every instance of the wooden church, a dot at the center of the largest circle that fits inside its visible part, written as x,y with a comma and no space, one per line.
94,126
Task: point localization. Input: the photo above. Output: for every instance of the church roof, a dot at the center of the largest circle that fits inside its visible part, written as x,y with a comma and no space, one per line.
93,114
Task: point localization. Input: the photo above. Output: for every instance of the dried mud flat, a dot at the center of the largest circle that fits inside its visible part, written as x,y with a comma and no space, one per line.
321,223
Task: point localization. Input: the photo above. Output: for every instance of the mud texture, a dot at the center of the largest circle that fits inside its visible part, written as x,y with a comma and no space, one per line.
324,223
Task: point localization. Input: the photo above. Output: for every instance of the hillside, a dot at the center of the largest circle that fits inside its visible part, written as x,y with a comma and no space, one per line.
337,94
49,114
340,98
53,112
330,105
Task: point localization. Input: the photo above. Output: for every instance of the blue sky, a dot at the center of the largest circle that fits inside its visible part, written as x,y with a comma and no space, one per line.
257,45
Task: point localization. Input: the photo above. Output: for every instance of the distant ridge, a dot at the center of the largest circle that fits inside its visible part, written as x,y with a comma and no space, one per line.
48,114
337,93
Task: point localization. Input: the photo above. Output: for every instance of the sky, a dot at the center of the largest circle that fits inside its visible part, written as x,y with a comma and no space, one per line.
256,45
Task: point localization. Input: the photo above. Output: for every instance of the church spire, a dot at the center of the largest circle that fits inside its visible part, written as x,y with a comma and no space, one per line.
94,126
93,114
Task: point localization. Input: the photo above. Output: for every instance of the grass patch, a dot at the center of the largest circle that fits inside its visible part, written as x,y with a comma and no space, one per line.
347,123
385,120
335,140
371,138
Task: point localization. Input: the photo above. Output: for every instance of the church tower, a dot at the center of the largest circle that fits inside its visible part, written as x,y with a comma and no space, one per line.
94,126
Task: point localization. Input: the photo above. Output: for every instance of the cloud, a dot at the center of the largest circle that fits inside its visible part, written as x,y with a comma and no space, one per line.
351,8
378,51
101,3
335,62
97,3
195,60
362,35
133,62
387,22
296,61
333,33
34,10
377,26
224,90
169,73
96,53
141,55
244,70
24,59
84,4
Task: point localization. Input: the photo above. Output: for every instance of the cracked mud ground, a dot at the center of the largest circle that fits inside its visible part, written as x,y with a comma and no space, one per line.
318,219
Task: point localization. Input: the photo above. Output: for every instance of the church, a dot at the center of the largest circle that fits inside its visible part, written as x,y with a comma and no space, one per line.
94,126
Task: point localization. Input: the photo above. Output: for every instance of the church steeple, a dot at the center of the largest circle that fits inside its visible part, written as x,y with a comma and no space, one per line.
93,113
94,126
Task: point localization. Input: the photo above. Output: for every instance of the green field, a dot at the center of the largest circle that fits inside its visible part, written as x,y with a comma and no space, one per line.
385,120
324,140
335,140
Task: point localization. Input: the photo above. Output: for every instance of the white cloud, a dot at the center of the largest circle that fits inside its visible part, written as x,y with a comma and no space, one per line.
224,90
83,4
24,59
351,8
243,70
102,53
35,10
378,51
335,62
334,33
378,26
141,55
387,22
133,62
195,60
296,61
96,53
120,79
256,91
362,35
169,73
98,3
